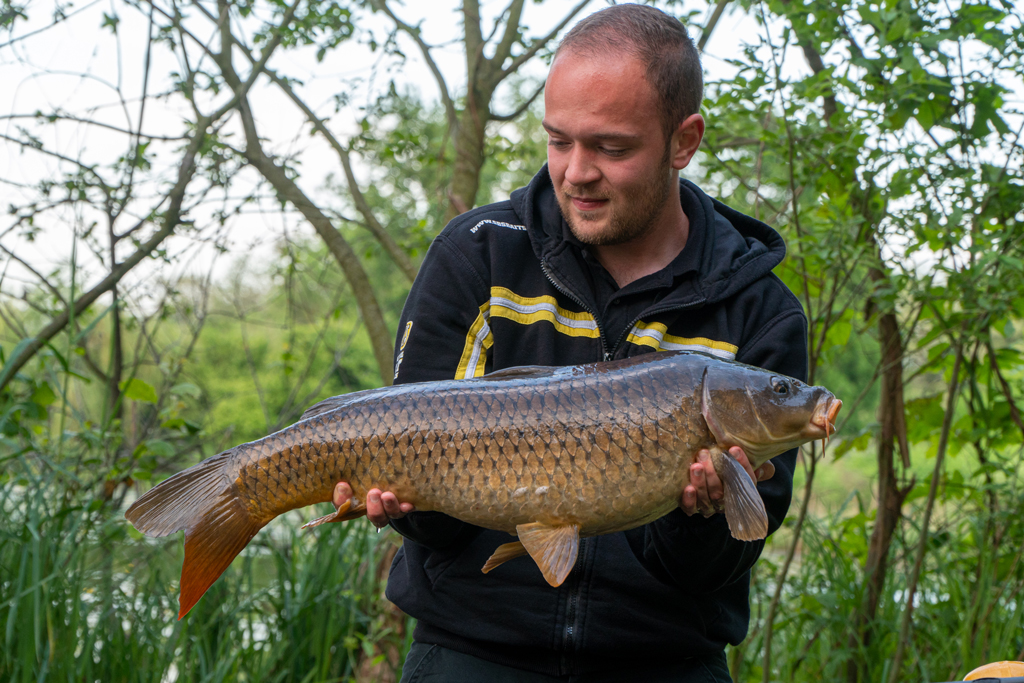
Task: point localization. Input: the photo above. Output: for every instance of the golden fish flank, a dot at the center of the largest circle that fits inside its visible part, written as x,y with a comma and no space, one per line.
546,454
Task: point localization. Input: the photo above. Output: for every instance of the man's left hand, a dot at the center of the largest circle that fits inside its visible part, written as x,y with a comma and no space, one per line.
705,492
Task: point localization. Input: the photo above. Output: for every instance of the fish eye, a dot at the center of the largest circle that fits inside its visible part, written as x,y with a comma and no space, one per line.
780,386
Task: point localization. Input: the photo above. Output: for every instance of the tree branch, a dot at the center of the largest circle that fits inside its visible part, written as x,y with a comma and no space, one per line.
1005,387
705,35
414,33
90,122
503,49
172,219
473,34
538,44
396,253
922,545
521,108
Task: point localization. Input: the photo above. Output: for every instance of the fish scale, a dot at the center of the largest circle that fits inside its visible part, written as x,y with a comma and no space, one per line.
547,454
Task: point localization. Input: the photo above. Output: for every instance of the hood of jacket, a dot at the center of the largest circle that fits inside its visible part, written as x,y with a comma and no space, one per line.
736,251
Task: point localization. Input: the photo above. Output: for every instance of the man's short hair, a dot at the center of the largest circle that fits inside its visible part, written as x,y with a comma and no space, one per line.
659,41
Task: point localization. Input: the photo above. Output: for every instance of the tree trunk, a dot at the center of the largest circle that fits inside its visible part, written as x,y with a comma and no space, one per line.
890,494
470,138
362,289
355,274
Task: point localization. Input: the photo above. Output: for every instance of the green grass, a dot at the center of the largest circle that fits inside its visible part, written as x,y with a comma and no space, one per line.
84,598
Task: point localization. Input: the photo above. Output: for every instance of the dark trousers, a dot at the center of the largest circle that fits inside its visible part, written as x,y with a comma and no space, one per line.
436,664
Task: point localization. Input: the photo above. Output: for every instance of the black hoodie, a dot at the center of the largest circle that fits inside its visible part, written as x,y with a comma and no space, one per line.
506,285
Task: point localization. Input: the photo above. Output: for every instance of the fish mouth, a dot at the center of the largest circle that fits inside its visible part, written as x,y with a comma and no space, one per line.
825,416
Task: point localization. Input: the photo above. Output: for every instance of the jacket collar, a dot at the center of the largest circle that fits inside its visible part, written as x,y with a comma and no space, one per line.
735,249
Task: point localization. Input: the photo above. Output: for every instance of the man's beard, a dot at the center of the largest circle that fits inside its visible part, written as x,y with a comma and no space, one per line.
631,218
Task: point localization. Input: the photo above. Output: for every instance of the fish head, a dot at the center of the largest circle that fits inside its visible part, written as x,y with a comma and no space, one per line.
764,413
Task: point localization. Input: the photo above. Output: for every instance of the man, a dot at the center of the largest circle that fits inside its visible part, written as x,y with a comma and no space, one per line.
606,254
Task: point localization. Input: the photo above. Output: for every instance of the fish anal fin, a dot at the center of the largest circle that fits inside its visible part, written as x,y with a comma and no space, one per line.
349,510
553,548
744,509
504,553
211,543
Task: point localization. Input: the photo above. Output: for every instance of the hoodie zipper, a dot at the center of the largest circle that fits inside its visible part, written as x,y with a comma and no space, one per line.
579,302
569,635
576,586
651,311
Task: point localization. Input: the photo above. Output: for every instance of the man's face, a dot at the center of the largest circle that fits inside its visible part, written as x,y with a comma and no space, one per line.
610,164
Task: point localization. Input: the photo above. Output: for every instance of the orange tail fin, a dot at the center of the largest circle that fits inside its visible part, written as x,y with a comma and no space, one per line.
203,502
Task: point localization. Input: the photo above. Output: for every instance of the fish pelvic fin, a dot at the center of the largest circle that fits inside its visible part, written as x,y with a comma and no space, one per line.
349,510
504,553
553,548
203,502
744,509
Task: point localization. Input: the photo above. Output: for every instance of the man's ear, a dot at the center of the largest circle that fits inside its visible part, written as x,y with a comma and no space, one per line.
686,140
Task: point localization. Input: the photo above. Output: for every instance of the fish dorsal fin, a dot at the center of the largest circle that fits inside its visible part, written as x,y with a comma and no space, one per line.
521,372
504,553
553,548
744,509
335,402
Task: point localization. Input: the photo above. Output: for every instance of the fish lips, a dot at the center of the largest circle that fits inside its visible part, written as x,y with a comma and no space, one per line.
823,422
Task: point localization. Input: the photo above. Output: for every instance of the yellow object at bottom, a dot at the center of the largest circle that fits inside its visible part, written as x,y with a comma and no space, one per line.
997,670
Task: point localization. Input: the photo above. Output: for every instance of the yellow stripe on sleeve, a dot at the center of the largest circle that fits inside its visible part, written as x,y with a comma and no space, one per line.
479,340
529,310
654,335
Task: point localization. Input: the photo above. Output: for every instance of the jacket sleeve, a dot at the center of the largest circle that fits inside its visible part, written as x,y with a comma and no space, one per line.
439,326
701,552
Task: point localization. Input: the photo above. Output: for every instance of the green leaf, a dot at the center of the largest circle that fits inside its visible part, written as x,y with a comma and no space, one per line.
43,395
160,448
186,389
839,334
847,445
137,390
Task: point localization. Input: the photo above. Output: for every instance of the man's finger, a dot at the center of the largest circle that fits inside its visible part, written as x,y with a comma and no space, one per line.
689,500
739,456
701,488
392,506
375,509
716,492
765,471
342,492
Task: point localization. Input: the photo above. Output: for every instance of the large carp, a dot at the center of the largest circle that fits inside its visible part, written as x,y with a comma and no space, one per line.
546,454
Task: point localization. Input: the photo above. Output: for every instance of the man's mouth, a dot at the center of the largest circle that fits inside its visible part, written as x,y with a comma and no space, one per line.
587,203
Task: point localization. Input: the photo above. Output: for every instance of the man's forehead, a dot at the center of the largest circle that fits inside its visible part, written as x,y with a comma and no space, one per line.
605,94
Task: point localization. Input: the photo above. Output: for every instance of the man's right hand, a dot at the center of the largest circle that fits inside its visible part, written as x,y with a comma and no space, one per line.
381,507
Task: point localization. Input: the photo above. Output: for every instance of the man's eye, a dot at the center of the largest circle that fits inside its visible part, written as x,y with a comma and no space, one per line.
613,152
560,144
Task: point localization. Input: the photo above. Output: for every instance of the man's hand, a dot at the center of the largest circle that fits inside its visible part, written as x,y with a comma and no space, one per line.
381,507
704,493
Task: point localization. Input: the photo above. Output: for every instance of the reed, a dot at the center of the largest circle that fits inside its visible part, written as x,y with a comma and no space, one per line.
84,598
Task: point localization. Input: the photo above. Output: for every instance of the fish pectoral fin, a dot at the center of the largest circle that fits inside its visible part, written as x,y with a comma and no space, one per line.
553,548
504,553
744,509
348,510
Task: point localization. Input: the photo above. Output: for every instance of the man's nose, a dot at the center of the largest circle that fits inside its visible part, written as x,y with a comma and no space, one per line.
581,169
